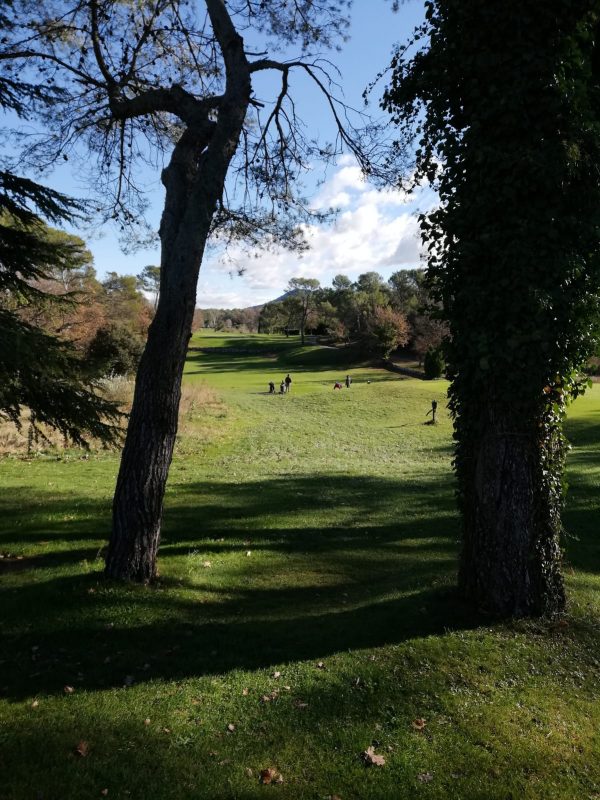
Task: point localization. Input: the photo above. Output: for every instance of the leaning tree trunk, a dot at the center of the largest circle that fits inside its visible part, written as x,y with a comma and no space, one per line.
510,562
194,182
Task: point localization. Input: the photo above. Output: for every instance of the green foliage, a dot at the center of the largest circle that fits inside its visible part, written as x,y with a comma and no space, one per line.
501,100
114,351
40,372
433,363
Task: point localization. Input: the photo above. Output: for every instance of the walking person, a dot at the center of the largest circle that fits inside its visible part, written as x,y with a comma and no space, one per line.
288,382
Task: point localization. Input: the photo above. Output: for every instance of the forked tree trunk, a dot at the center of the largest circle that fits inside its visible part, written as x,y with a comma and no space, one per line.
194,182
510,562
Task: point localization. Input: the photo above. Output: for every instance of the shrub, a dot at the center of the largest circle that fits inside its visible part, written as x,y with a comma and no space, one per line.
433,363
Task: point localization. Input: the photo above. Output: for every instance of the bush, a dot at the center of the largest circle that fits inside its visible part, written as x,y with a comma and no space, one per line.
433,363
115,350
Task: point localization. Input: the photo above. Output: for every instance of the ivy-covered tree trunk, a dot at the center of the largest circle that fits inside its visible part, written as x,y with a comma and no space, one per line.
510,558
502,100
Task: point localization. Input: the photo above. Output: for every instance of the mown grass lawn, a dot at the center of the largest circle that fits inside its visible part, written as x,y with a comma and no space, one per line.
305,610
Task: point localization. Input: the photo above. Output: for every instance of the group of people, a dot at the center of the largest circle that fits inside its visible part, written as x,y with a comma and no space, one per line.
348,382
284,387
286,384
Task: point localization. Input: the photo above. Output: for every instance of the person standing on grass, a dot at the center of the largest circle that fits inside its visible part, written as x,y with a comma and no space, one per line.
282,387
271,387
288,382
348,381
432,411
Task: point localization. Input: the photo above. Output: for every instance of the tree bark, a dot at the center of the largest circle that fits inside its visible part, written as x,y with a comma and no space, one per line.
510,562
194,182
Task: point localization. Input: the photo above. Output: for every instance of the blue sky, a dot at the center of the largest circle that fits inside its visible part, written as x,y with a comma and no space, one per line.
374,230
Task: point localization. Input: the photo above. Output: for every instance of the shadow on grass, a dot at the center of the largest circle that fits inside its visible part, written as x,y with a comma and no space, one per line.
331,570
337,563
286,358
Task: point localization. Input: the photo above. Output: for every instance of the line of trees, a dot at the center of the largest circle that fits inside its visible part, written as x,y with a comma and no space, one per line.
378,315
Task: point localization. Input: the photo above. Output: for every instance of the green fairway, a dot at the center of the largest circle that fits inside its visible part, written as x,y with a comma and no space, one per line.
305,609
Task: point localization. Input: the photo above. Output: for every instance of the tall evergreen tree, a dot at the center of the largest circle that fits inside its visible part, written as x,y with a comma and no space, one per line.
502,99
40,372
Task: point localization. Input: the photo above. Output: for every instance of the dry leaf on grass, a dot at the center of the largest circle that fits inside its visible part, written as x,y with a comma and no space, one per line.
249,773
104,792
371,758
277,674
68,690
419,724
147,721
320,665
231,727
35,704
270,775
82,749
245,692
425,777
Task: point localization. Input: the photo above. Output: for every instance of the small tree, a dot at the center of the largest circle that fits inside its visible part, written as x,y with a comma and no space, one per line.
304,295
149,281
433,363
388,329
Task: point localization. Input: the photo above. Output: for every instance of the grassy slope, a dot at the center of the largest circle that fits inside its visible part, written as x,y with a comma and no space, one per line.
314,527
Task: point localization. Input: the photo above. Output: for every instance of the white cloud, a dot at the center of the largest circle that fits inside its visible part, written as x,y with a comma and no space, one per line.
375,230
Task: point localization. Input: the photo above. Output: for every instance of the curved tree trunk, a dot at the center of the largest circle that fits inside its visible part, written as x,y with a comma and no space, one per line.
194,182
510,562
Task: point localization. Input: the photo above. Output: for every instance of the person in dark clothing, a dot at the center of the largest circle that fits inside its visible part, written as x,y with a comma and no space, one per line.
271,387
288,382
348,381
432,411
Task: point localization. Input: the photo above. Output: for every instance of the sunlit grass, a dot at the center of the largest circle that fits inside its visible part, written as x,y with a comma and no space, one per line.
312,535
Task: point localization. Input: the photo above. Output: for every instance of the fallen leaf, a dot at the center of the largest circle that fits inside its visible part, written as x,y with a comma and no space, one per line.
277,674
104,792
270,775
267,775
206,564
425,777
320,665
245,692
419,724
68,690
231,727
166,730
249,773
82,749
371,758
35,704
147,721
248,553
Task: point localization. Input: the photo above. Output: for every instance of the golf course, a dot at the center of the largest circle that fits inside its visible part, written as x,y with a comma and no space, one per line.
304,638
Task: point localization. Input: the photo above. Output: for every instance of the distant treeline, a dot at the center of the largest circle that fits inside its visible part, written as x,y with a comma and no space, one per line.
377,314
